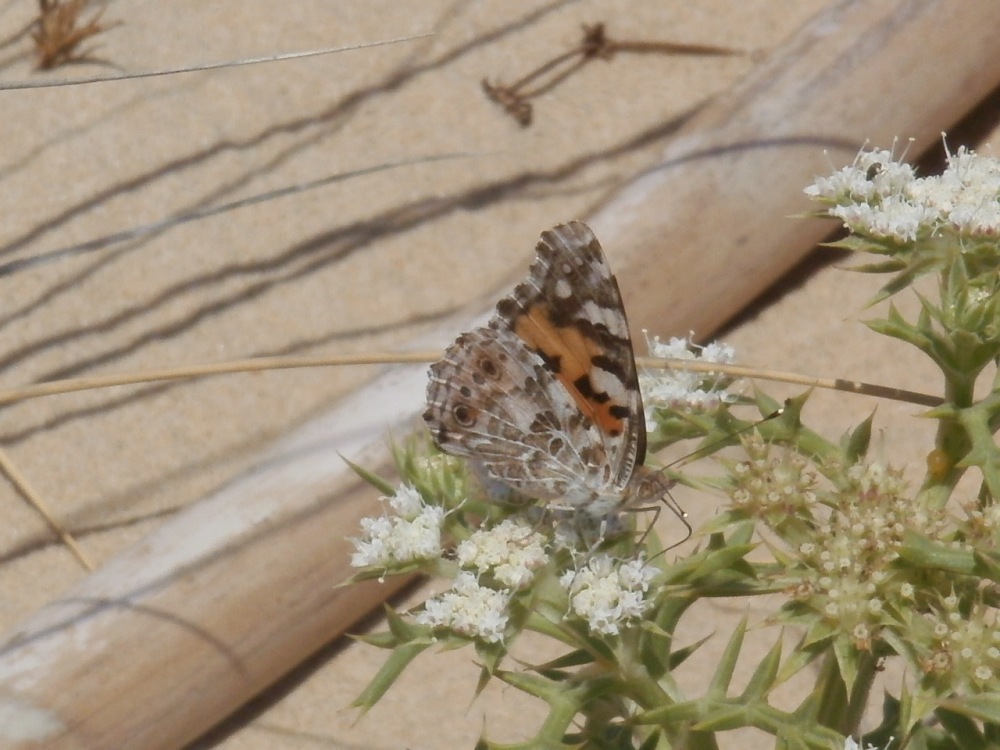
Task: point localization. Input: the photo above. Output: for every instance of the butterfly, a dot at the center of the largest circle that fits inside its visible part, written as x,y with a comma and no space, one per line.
545,398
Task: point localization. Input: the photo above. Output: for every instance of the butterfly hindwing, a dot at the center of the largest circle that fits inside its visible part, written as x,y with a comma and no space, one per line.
492,401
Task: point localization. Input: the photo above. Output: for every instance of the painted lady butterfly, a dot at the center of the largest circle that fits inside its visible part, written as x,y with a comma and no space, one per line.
545,398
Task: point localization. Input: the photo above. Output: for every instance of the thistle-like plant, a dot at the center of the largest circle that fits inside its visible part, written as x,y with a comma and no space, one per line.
868,569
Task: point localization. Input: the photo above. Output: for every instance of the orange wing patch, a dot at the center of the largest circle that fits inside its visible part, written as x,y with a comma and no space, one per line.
571,356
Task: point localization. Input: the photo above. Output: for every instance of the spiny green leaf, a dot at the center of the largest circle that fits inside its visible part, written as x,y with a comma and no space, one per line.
855,444
383,639
537,742
491,654
764,675
962,729
398,660
857,244
373,479
789,429
984,453
921,552
485,675
723,719
902,646
987,565
700,741
723,521
538,623
658,636
403,628
984,706
800,657
848,661
723,559
727,664
669,610
904,279
402,569
679,656
576,658
673,714
741,535
550,691
818,631
888,266
832,707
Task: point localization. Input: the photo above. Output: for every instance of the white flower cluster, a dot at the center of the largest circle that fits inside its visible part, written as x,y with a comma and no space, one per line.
879,197
609,592
511,551
681,389
496,562
413,534
468,609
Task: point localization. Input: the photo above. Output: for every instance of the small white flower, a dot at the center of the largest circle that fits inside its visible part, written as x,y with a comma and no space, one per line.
873,175
415,534
847,184
636,575
894,218
609,592
407,502
468,609
512,550
680,389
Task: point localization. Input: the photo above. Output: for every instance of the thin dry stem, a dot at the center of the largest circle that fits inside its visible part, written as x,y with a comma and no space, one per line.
777,376
19,85
18,479
36,390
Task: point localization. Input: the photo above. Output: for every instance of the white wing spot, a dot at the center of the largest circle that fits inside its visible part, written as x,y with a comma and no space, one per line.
615,323
602,380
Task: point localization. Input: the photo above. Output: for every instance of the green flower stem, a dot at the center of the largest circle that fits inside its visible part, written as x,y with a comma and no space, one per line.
640,686
836,709
860,692
832,708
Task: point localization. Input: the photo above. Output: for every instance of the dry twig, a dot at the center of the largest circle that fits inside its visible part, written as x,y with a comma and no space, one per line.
60,30
596,45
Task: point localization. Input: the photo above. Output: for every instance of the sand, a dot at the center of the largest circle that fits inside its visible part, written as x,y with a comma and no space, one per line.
372,262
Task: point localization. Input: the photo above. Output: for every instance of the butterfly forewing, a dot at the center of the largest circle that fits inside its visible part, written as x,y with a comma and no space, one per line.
569,312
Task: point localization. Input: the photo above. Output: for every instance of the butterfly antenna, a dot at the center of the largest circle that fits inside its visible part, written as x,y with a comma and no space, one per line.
670,502
668,499
710,448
